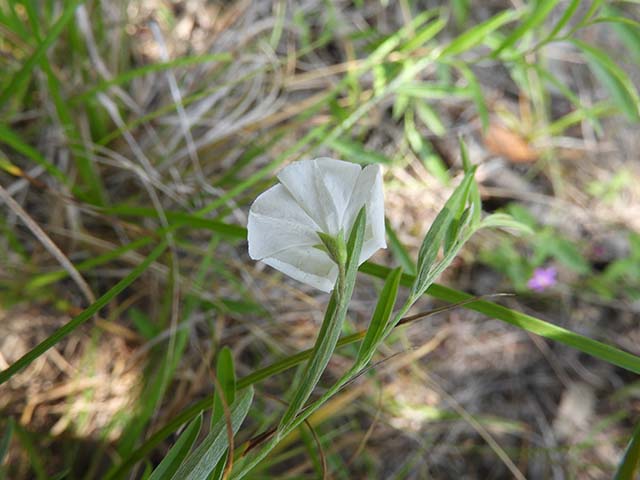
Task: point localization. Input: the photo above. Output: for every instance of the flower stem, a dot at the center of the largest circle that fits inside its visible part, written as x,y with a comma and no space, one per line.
328,335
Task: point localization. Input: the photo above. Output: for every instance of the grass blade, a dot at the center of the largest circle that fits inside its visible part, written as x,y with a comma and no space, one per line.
78,320
476,35
529,323
629,35
26,440
6,439
134,73
566,16
227,378
356,153
631,458
613,78
9,137
476,93
178,452
596,349
45,279
26,71
204,458
540,12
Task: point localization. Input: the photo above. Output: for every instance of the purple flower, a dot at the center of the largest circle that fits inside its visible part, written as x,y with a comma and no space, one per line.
542,279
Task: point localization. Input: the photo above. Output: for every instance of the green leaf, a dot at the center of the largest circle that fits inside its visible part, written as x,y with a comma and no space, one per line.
476,93
596,349
226,375
92,188
567,253
437,235
378,328
6,439
180,220
423,35
619,20
355,152
566,16
45,279
460,9
399,38
26,71
476,35
614,79
25,438
143,324
204,458
429,91
456,230
87,314
541,10
422,148
9,137
430,118
331,325
179,451
464,155
503,220
631,459
629,35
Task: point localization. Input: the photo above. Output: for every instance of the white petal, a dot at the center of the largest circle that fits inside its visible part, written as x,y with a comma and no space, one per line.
307,265
276,222
368,191
315,195
322,188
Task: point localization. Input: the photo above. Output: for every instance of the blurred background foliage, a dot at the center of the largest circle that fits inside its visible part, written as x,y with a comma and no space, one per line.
133,137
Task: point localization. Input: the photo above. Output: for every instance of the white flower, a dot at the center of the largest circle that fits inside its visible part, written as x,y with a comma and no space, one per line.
321,195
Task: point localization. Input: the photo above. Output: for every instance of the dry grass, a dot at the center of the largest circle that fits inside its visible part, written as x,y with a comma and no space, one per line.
452,396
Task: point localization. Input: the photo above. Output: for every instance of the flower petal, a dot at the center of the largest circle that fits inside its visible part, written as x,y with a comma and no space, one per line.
307,265
276,222
368,191
322,187
321,195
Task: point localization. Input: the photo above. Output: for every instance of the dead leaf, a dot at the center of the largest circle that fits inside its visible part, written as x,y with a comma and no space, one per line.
506,143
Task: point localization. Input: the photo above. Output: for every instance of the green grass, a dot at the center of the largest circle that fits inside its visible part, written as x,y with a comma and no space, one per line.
158,230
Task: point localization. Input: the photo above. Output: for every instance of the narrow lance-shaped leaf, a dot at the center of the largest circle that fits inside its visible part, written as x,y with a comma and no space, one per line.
178,452
564,19
614,79
227,379
435,236
204,458
6,439
541,11
631,458
503,220
477,34
476,93
226,375
380,319
332,323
